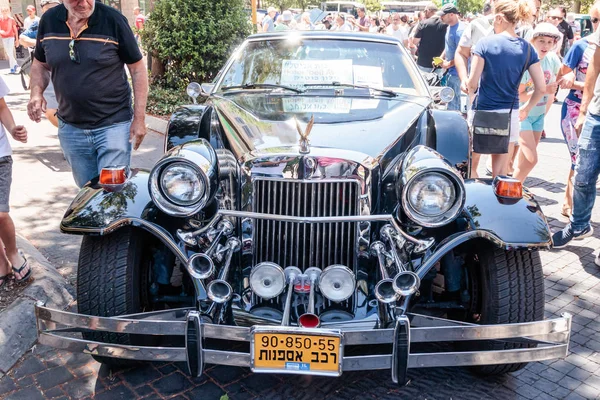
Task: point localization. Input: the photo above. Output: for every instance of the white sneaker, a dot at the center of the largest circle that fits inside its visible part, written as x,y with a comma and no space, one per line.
597,260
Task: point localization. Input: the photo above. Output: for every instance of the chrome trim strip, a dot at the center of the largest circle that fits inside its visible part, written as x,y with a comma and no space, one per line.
539,329
110,324
456,359
232,358
140,353
422,245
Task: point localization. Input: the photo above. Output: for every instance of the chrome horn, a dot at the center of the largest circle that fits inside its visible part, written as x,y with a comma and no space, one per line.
310,319
291,275
406,282
219,290
384,290
201,265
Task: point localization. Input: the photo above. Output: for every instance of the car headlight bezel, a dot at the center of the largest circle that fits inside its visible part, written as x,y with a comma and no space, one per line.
200,158
446,215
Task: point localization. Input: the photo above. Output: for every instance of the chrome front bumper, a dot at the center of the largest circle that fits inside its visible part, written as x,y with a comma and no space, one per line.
551,336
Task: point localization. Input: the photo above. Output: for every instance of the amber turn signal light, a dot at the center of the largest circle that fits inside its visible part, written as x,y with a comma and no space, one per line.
507,187
113,176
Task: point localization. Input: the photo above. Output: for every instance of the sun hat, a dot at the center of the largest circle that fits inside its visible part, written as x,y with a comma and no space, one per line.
546,29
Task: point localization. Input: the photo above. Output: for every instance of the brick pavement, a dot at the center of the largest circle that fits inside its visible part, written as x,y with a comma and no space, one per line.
572,285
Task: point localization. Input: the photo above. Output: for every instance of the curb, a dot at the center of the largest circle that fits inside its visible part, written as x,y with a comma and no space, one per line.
156,124
18,331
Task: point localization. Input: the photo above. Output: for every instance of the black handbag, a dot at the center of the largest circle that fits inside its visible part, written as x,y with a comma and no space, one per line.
495,123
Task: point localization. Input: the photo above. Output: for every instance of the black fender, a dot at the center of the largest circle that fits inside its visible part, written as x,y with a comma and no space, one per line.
512,223
97,211
452,138
185,124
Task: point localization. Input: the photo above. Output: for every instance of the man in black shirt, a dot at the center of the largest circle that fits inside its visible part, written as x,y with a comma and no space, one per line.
431,33
567,32
86,45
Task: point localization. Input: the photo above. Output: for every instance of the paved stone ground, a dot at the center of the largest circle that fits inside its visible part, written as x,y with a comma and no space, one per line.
44,188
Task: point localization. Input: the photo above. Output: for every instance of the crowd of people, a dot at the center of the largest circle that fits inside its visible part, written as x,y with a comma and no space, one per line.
511,61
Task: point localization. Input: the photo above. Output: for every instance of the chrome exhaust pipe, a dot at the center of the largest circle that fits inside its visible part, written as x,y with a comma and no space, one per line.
219,290
310,319
291,274
384,290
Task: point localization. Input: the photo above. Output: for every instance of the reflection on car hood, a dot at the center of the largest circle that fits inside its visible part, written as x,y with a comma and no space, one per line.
262,123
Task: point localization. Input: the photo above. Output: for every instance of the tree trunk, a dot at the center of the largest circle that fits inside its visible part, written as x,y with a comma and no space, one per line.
577,7
157,68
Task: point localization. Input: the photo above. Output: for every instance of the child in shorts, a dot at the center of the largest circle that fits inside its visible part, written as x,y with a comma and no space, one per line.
10,257
545,40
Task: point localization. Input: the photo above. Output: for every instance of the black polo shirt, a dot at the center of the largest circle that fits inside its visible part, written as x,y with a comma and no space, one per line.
94,92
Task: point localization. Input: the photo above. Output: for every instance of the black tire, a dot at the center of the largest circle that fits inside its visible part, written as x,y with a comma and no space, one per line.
512,291
109,283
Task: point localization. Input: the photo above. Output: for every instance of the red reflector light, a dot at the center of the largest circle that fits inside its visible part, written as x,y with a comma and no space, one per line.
508,187
309,321
113,176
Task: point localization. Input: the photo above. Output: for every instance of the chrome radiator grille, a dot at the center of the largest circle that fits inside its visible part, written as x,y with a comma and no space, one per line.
305,245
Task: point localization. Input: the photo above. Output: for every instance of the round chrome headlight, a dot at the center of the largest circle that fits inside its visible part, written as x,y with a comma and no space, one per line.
182,184
185,180
433,198
431,194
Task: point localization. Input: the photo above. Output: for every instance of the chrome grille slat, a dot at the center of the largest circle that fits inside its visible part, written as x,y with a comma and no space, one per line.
306,245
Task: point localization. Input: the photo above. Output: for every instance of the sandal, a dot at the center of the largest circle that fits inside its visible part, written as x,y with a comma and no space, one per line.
19,270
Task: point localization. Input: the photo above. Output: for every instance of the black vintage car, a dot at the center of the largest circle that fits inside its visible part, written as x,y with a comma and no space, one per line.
313,216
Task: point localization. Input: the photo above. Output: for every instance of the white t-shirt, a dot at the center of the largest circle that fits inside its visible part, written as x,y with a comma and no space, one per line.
5,149
28,21
401,33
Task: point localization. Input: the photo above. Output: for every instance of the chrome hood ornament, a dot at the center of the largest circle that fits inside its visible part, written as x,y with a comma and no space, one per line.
304,142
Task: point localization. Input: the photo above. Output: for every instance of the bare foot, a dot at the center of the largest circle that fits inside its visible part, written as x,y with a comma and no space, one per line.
4,270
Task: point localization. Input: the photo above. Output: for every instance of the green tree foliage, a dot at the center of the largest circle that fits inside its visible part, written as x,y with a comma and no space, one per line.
194,38
469,6
373,5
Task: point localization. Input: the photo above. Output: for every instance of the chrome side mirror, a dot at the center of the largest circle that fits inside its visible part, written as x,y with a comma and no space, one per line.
442,94
193,90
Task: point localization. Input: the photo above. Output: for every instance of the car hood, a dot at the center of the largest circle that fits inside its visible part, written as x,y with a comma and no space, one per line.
260,123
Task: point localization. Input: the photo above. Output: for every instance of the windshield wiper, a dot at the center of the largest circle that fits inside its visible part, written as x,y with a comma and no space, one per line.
262,85
390,93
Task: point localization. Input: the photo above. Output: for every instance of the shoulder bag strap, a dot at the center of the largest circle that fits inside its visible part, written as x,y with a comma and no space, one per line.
522,74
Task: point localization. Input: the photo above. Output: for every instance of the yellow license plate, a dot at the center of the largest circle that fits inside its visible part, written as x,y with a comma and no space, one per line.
297,353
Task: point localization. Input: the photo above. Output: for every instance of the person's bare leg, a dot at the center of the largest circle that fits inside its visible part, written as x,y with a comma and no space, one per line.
499,164
511,161
4,264
51,115
8,237
475,157
528,157
567,206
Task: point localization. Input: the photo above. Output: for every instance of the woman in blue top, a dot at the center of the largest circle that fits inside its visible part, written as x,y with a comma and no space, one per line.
496,69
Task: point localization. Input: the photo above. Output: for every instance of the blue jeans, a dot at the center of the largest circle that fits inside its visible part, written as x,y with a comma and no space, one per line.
454,83
89,150
587,169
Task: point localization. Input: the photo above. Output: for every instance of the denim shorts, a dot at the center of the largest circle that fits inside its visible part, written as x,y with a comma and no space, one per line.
533,123
5,182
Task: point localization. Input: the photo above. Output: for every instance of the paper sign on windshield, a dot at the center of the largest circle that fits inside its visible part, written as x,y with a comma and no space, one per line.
368,76
301,72
329,105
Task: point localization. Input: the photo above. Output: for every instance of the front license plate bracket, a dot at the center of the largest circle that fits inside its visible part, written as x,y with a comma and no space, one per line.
296,351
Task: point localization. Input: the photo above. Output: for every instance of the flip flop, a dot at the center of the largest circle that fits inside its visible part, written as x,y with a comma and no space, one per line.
20,269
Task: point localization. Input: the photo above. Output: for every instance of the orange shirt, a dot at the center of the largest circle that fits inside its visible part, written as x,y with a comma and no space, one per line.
9,27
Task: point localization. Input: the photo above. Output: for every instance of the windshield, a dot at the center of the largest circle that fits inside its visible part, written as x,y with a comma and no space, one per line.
307,63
